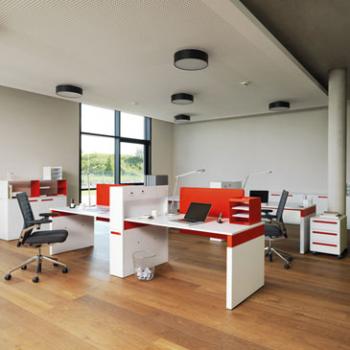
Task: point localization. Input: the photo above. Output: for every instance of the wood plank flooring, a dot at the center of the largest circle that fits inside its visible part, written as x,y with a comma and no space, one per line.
306,307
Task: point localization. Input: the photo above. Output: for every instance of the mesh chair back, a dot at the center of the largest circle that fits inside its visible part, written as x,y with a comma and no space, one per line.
26,209
281,205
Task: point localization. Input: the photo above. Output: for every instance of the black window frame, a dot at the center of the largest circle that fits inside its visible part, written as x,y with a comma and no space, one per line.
146,142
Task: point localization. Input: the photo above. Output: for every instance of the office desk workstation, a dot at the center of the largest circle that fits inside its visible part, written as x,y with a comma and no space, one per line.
132,229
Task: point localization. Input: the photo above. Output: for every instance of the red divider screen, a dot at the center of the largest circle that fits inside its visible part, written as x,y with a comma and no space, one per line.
102,193
217,197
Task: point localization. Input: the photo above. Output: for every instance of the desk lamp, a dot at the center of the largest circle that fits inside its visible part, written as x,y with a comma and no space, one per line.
173,210
252,174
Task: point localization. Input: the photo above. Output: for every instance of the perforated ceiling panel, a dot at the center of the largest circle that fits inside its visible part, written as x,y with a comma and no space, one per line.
121,53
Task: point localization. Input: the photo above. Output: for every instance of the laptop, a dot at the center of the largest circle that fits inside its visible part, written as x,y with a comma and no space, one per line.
263,195
197,212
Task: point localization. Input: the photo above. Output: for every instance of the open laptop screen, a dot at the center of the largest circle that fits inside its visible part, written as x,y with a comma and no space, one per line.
197,212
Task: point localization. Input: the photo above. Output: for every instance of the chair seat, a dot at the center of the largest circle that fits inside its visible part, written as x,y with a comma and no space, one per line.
47,237
273,231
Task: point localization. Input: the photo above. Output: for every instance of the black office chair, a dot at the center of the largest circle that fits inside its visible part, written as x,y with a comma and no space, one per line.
275,230
32,237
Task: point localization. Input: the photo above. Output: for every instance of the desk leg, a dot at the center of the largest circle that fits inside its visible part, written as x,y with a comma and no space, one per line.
305,233
245,271
123,245
80,232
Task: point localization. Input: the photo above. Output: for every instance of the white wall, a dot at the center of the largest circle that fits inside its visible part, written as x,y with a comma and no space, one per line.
35,131
162,148
293,145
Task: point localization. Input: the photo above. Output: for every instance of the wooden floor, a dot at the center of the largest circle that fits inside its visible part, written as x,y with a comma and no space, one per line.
306,307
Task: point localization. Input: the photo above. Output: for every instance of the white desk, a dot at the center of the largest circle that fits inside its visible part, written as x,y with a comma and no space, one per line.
244,257
305,214
80,224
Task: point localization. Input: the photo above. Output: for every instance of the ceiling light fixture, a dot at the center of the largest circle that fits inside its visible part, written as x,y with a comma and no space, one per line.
182,118
182,98
279,106
69,91
191,59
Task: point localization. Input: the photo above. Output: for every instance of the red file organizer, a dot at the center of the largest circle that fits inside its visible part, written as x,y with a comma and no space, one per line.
245,211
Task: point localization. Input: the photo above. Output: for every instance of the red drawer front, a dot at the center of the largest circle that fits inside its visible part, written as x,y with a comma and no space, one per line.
325,222
325,233
325,244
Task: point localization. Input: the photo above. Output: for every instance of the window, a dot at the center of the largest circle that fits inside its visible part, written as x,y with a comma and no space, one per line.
115,148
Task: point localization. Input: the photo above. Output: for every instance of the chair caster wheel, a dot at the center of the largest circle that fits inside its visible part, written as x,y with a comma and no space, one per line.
24,267
55,264
270,257
65,270
35,279
7,277
286,266
290,258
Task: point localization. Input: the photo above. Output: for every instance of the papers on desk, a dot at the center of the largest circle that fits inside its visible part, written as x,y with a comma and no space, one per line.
240,215
241,207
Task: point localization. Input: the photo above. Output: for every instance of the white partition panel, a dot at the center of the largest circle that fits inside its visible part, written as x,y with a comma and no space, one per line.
131,201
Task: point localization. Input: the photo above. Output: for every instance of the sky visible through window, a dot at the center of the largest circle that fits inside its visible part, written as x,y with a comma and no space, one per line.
132,126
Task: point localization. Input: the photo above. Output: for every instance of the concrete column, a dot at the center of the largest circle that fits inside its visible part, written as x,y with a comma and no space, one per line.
337,140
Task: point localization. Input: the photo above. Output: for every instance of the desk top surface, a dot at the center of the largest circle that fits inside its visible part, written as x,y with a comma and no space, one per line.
210,226
95,211
289,206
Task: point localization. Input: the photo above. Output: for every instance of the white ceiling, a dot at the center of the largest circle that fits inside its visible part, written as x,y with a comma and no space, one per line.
121,53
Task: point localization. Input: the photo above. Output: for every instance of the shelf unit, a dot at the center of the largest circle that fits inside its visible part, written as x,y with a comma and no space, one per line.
245,211
43,195
33,188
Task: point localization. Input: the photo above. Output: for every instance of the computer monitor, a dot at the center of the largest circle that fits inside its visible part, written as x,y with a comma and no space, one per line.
263,195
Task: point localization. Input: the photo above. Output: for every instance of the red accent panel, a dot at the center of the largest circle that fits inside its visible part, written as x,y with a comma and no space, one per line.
47,200
239,238
115,233
62,187
35,188
325,244
102,193
217,197
325,233
60,213
98,218
129,225
325,222
308,211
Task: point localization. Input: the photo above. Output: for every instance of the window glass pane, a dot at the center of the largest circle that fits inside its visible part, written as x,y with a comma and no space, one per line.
97,120
85,197
131,163
132,126
97,160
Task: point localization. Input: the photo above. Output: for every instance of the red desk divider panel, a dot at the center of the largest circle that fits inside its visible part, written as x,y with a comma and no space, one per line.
102,193
245,211
217,197
35,188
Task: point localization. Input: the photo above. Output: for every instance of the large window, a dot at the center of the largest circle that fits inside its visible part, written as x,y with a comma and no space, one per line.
115,148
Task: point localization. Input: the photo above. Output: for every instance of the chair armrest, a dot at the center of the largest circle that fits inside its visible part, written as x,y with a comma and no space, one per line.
39,222
48,215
